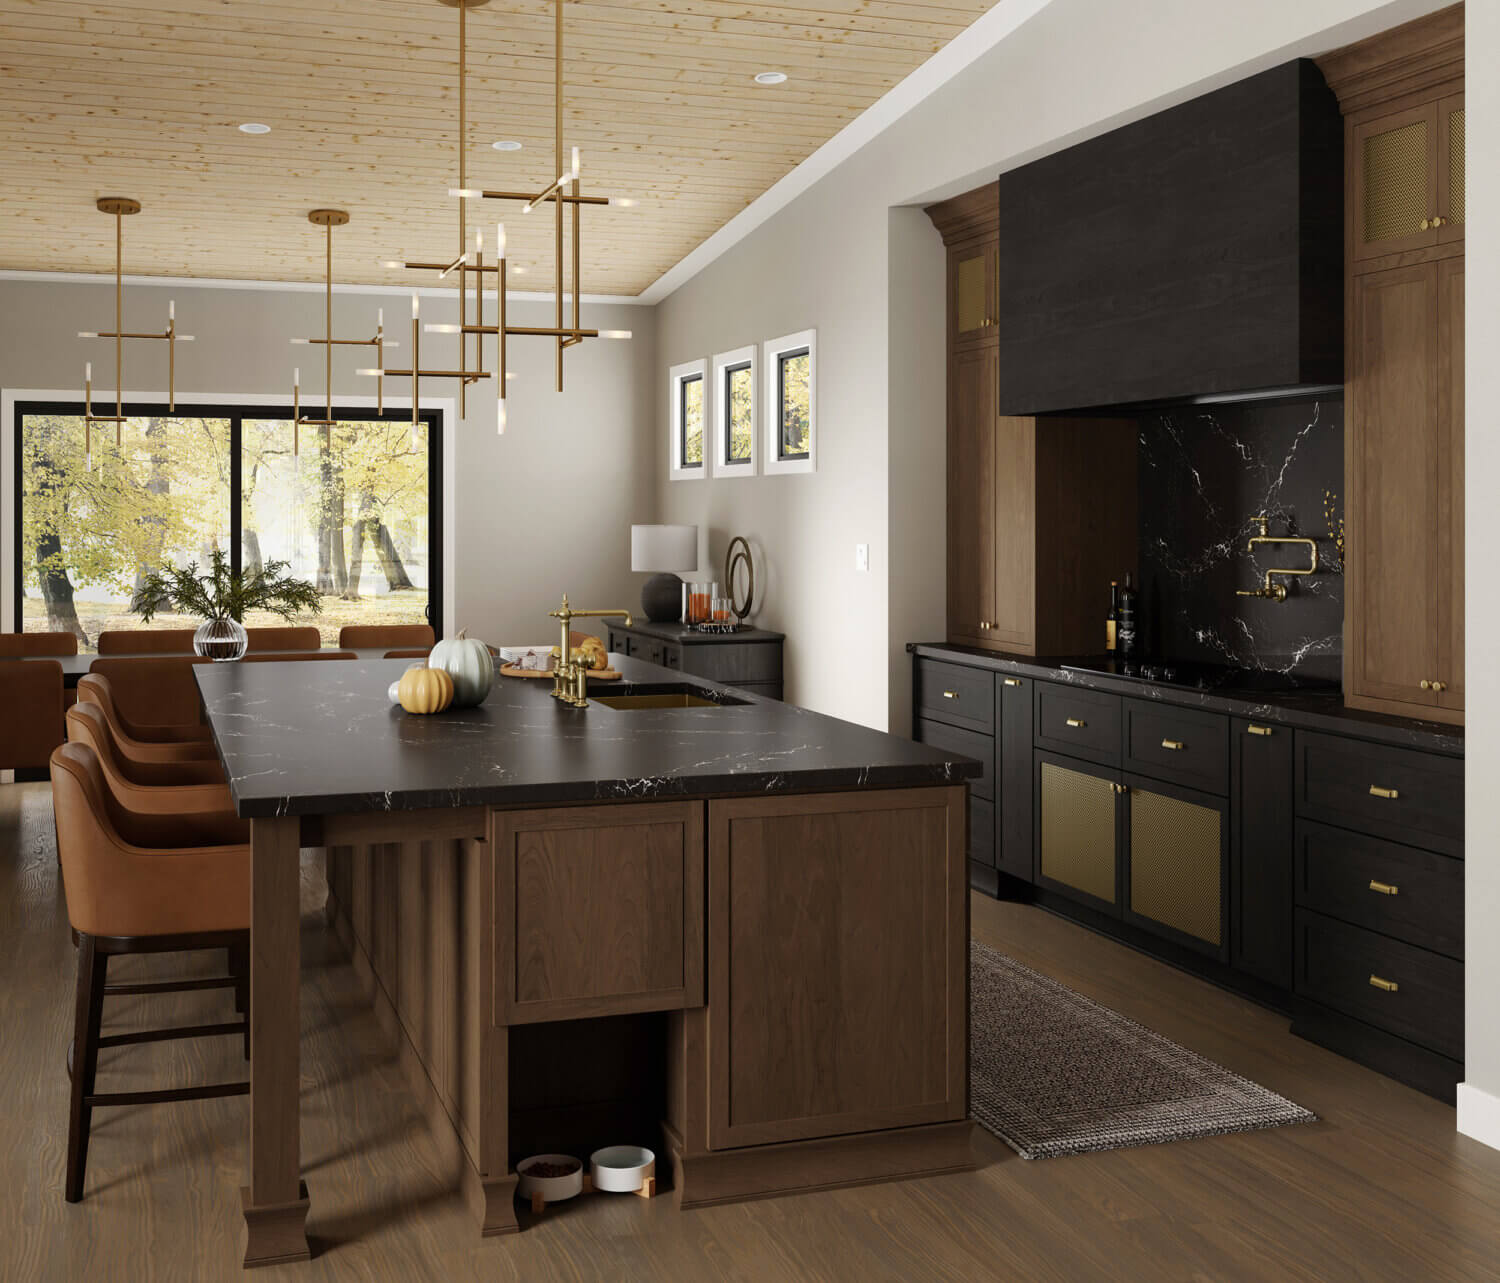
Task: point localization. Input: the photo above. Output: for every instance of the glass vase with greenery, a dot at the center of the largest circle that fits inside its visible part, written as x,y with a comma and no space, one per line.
221,597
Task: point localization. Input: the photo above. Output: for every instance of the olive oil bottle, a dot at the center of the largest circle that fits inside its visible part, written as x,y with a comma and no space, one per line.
1112,620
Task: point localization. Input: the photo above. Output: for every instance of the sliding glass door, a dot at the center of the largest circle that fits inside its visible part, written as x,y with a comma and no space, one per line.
356,511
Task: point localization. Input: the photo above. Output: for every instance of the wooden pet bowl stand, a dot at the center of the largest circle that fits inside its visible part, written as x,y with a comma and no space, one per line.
647,1189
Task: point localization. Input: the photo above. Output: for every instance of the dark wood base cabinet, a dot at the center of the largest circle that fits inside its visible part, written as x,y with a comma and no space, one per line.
1311,871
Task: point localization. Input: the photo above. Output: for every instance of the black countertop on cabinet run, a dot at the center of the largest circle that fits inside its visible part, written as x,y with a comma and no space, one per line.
1313,711
322,739
687,635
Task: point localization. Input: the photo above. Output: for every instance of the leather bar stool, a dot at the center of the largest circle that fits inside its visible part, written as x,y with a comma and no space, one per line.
387,635
193,788
168,743
134,885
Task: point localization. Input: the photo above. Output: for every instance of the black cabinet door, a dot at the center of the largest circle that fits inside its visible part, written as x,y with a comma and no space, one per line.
1013,723
1176,865
1262,851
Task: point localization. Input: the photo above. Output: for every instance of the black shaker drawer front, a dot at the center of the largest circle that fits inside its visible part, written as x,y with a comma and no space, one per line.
953,739
981,831
956,694
1077,722
1411,992
1396,793
1415,896
1180,745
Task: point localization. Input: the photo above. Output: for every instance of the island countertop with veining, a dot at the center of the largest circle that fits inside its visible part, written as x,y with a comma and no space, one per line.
322,739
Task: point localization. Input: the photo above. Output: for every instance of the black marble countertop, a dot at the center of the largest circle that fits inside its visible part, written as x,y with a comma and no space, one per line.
686,634
1310,710
322,739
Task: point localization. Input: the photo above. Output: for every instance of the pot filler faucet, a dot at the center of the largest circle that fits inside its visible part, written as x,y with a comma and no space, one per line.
1274,591
570,681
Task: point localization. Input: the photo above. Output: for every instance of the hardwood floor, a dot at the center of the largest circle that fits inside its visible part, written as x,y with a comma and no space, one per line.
1381,1188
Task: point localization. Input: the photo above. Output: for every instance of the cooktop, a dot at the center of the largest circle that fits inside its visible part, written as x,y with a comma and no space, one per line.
1203,676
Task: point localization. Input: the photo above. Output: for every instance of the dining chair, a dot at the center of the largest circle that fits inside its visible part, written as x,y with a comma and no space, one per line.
284,638
146,641
31,697
148,742
27,645
139,884
298,656
155,691
352,636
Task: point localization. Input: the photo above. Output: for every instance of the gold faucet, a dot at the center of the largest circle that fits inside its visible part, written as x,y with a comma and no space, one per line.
1270,590
570,681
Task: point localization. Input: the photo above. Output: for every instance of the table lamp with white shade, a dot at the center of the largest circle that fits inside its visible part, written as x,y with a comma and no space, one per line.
662,551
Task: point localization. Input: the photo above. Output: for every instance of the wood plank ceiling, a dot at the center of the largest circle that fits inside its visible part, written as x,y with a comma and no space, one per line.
143,99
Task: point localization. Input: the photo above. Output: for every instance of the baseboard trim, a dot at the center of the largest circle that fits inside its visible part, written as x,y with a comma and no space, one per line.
1479,1115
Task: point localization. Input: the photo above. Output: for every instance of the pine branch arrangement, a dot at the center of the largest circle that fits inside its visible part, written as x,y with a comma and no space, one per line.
224,593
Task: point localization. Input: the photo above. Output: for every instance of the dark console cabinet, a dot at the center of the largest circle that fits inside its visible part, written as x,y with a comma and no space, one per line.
749,659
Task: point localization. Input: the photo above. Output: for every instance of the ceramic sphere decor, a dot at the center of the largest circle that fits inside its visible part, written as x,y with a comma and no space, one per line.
469,663
425,690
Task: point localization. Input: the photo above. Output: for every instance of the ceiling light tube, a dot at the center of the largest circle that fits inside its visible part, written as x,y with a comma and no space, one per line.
615,334
466,193
432,328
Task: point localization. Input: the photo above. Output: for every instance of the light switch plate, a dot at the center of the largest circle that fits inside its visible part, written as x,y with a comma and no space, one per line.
861,556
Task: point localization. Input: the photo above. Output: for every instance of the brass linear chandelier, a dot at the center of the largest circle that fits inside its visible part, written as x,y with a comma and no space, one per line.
328,219
119,207
562,192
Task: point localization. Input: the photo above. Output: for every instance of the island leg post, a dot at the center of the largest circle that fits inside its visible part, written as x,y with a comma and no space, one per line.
275,1200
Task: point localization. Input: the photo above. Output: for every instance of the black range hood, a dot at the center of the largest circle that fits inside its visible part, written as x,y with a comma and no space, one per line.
1196,254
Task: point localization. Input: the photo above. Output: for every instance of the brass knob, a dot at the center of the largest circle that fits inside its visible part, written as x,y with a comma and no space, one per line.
1439,687
1437,220
1426,685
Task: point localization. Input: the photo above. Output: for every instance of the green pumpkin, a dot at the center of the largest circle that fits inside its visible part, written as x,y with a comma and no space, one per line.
469,664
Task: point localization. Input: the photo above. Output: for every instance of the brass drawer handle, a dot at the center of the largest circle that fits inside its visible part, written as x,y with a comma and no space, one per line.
1012,681
1380,982
1384,888
1260,730
1077,723
950,694
1175,745
1377,791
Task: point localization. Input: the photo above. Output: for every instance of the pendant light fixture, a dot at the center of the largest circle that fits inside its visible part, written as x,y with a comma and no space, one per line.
562,192
119,207
328,219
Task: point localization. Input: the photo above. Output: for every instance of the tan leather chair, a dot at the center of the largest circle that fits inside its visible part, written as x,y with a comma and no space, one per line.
192,788
146,641
134,885
145,743
299,656
23,645
31,723
371,635
288,638
156,691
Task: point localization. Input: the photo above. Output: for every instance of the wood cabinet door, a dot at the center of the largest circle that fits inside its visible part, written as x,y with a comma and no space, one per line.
971,494
598,910
838,964
1261,850
1395,182
972,292
1450,168
1450,452
1394,590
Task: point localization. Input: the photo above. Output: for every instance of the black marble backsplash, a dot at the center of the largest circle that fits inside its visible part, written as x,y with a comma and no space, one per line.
1206,473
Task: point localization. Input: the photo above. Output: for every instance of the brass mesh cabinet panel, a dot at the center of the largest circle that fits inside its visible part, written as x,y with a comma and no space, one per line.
1176,865
1078,831
1395,186
1456,165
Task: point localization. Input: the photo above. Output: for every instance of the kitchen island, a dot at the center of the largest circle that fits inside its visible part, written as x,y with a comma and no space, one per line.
728,928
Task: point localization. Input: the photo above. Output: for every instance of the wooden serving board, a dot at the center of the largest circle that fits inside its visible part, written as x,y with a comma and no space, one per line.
595,674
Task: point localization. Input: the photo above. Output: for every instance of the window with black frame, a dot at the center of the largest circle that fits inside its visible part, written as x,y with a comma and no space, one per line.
793,404
739,413
356,511
690,420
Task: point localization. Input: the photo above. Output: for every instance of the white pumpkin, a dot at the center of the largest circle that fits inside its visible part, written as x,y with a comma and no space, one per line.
469,664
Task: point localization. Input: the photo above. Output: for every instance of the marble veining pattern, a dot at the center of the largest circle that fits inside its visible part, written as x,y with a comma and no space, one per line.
1205,474
321,738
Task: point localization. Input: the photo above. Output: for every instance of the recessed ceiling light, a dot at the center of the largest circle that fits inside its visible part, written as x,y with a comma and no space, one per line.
770,78
252,127
506,144
518,271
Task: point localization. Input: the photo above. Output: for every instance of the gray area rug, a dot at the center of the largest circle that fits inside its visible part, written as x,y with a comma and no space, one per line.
1052,1072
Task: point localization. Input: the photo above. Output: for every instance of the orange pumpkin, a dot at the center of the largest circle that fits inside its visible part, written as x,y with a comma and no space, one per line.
425,690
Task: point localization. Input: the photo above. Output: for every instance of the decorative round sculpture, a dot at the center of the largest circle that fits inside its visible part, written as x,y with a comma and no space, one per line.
738,558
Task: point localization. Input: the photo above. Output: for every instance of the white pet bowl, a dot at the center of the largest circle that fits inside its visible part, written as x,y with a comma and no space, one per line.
553,1189
621,1169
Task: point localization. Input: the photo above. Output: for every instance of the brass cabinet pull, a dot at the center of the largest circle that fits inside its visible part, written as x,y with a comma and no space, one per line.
1012,681
1439,687
950,694
1426,223
1259,730
1425,684
1175,745
1380,982
1077,723
1377,791
1121,788
1438,220
1384,888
